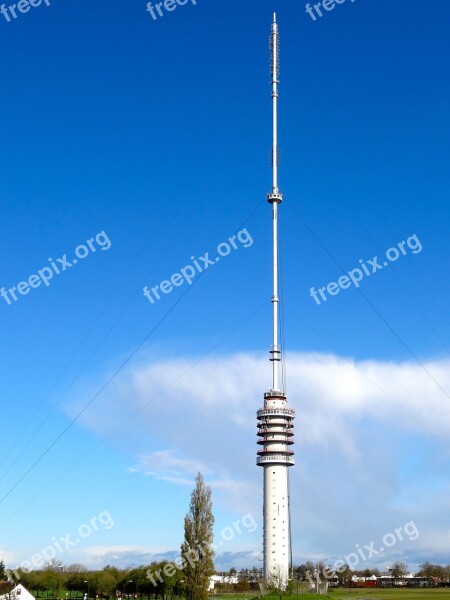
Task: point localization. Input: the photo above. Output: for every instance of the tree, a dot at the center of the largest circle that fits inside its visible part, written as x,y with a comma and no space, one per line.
321,569
426,569
399,569
196,551
5,588
304,572
344,575
52,580
54,565
30,579
299,572
75,582
5,585
367,572
75,568
276,581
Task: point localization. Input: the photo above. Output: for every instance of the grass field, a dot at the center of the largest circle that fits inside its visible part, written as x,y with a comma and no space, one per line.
375,594
354,594
392,593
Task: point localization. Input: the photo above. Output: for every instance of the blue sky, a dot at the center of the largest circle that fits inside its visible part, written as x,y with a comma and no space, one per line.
157,133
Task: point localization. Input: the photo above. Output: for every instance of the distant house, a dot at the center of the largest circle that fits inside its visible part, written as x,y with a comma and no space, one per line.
364,581
18,593
221,579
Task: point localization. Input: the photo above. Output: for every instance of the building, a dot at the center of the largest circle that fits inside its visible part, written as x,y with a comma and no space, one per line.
231,579
18,593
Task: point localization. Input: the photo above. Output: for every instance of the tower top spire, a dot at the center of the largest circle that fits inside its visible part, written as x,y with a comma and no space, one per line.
275,197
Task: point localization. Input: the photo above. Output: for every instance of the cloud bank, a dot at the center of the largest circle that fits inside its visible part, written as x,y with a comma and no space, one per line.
372,442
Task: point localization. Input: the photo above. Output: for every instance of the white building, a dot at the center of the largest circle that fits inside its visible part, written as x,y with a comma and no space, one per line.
18,593
221,579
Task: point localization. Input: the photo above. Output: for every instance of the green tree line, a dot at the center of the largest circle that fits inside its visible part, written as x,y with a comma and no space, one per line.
75,581
189,577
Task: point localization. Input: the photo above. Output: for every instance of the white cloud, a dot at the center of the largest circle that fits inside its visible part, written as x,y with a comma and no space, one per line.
7,556
97,557
167,466
354,442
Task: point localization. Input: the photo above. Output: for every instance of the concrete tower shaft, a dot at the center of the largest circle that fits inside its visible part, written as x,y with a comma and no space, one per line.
275,438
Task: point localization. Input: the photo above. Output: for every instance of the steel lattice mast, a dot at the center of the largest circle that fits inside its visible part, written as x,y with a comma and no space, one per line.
276,420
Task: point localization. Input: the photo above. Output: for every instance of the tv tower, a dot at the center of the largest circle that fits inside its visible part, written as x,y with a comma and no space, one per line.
276,420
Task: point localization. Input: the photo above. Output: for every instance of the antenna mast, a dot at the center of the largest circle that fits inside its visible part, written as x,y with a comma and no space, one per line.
276,419
275,197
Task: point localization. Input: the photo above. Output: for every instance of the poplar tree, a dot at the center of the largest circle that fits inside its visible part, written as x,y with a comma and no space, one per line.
196,551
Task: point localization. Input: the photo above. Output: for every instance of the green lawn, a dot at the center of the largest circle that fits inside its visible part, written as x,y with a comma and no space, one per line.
374,594
393,593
